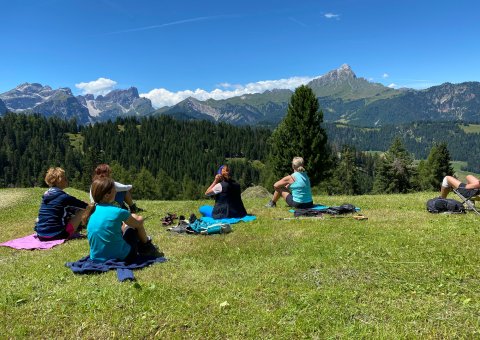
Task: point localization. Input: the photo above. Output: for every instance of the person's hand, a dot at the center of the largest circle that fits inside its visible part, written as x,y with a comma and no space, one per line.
218,178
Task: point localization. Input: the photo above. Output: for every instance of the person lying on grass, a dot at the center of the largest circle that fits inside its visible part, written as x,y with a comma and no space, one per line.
60,214
124,194
113,232
467,190
228,195
294,188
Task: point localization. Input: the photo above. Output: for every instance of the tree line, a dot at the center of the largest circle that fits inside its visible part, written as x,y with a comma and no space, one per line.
166,158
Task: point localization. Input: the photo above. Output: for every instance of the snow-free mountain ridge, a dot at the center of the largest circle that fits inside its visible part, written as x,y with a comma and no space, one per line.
343,97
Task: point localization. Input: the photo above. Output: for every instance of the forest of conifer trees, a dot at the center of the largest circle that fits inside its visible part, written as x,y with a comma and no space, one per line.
170,159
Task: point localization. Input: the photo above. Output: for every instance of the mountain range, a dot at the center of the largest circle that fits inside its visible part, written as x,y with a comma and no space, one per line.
36,98
343,97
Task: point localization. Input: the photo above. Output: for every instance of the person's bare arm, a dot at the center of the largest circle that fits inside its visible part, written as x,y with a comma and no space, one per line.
216,180
284,182
135,221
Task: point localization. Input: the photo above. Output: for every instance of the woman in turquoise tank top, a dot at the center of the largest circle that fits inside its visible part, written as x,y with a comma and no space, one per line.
294,188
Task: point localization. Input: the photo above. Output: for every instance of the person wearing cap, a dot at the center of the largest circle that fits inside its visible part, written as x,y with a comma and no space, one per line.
123,191
294,188
227,193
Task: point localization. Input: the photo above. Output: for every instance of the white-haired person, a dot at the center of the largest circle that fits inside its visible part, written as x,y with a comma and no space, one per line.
467,190
294,188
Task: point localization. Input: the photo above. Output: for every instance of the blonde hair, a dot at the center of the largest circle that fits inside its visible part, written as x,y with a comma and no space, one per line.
54,176
297,164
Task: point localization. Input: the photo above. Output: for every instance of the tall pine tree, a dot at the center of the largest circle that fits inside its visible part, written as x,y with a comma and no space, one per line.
437,166
300,134
395,173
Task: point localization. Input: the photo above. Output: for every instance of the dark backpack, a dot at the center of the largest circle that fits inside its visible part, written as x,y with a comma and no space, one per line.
439,205
343,209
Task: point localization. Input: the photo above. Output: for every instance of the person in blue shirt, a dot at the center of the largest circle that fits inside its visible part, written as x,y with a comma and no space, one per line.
294,188
60,214
113,232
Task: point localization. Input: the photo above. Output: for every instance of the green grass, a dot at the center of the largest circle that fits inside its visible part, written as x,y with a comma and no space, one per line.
403,273
470,128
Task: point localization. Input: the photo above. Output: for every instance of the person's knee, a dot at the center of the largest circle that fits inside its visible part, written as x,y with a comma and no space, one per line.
445,182
76,219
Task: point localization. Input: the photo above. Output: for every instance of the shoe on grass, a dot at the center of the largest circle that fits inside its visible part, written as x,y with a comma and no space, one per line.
270,204
149,249
134,209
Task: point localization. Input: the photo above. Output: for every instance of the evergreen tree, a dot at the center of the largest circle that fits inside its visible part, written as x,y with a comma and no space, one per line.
395,172
166,187
435,168
300,134
120,174
144,185
190,189
345,175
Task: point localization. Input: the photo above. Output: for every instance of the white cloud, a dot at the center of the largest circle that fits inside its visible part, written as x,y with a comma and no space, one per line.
162,97
332,16
385,75
101,86
393,86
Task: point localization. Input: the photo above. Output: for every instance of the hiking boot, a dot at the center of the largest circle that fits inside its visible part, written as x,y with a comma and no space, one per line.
271,204
134,209
192,218
226,228
149,249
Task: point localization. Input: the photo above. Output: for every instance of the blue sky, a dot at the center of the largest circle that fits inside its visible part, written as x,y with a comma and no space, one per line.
172,49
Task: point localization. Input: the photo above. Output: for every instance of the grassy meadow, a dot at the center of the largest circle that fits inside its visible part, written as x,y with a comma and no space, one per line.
403,273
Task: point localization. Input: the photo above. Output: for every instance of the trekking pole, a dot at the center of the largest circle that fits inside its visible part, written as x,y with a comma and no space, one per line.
298,218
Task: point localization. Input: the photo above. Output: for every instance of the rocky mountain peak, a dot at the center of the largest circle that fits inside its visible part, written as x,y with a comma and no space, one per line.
123,97
344,72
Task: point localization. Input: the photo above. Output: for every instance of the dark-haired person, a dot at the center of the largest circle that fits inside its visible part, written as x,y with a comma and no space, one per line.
113,232
123,195
467,190
59,215
227,192
294,188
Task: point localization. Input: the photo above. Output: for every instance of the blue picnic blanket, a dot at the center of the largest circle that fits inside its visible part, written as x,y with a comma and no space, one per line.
124,270
319,207
232,220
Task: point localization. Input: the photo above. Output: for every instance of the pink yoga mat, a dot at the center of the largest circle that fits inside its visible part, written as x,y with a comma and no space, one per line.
32,242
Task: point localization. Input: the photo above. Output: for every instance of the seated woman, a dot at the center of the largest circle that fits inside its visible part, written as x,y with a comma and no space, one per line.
467,190
58,216
294,188
123,195
227,192
114,233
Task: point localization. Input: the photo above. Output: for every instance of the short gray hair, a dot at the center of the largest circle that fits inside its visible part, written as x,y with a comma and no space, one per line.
297,164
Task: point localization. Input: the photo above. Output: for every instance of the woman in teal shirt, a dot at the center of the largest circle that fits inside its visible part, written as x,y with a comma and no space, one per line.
294,188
